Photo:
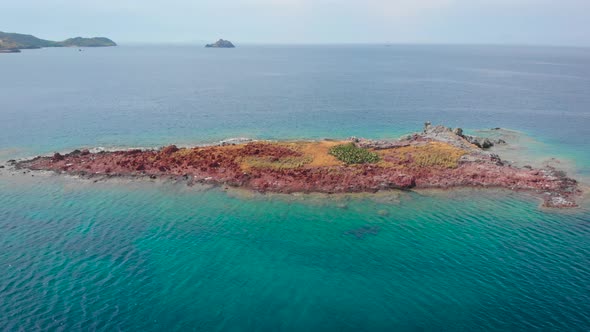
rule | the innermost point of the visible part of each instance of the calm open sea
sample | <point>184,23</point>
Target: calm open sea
<point>128,255</point>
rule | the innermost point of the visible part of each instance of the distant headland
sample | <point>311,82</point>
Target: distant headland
<point>221,44</point>
<point>14,42</point>
<point>437,157</point>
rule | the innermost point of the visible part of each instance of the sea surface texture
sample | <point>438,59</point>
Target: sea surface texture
<point>162,256</point>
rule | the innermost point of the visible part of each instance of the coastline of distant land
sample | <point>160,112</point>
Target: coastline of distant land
<point>14,42</point>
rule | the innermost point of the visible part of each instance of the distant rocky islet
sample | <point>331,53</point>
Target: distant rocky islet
<point>221,43</point>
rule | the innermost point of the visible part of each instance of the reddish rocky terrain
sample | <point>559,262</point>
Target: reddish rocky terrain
<point>438,157</point>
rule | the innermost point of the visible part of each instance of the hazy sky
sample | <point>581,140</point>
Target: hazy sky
<point>551,22</point>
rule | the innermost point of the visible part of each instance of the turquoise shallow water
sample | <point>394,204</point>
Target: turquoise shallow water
<point>147,256</point>
<point>118,255</point>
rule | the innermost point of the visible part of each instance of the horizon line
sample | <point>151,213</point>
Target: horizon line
<point>251,43</point>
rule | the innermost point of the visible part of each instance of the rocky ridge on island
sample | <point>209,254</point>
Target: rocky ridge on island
<point>221,43</point>
<point>437,157</point>
<point>14,42</point>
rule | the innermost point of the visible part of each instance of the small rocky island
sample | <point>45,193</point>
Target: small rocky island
<point>221,44</point>
<point>14,42</point>
<point>437,157</point>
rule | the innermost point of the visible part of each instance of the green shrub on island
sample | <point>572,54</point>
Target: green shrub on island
<point>352,154</point>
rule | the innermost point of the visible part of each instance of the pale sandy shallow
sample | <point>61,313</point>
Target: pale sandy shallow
<point>524,150</point>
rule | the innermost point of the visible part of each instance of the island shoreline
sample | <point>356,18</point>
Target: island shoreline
<point>422,161</point>
<point>583,201</point>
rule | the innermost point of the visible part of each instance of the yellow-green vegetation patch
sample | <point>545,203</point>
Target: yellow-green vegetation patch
<point>276,163</point>
<point>351,154</point>
<point>184,152</point>
<point>434,154</point>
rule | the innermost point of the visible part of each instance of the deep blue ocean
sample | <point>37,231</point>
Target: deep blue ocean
<point>151,256</point>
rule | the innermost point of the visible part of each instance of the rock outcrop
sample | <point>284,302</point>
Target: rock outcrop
<point>221,43</point>
<point>445,133</point>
